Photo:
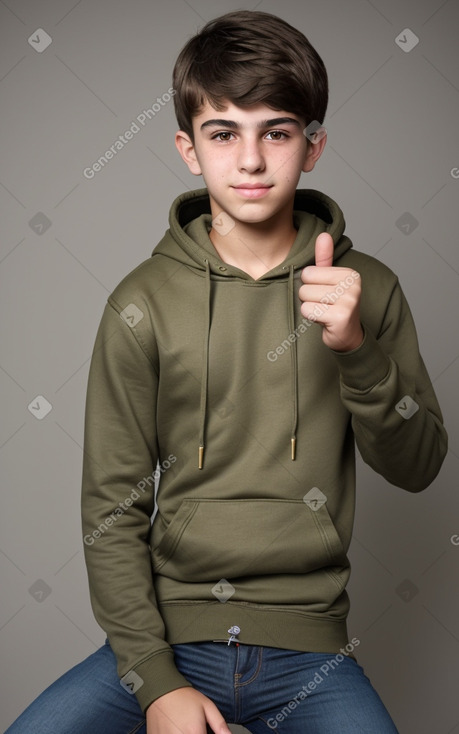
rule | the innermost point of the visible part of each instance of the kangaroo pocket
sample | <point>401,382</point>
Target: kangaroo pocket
<point>212,539</point>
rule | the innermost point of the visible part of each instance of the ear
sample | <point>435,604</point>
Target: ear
<point>314,151</point>
<point>186,149</point>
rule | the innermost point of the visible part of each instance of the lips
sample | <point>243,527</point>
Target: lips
<point>252,190</point>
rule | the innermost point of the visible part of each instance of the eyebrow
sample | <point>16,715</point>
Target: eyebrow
<point>262,124</point>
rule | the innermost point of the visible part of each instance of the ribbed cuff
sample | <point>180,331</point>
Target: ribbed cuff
<point>364,367</point>
<point>158,675</point>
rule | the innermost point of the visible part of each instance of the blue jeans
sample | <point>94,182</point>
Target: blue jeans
<point>263,688</point>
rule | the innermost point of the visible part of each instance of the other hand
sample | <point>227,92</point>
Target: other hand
<point>184,711</point>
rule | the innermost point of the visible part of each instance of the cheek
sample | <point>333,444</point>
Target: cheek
<point>289,166</point>
<point>216,164</point>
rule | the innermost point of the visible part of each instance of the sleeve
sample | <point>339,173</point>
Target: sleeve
<point>120,452</point>
<point>396,418</point>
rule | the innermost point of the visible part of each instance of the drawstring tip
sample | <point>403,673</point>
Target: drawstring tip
<point>293,445</point>
<point>201,457</point>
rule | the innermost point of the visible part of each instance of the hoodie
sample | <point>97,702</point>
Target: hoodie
<point>214,384</point>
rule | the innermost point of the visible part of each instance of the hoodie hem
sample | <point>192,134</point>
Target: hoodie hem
<point>285,629</point>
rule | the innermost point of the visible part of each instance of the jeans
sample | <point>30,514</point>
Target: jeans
<point>263,688</point>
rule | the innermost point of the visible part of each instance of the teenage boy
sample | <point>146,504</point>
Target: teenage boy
<point>245,357</point>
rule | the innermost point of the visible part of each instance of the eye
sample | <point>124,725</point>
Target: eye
<point>277,135</point>
<point>223,136</point>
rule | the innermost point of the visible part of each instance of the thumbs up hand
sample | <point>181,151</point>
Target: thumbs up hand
<point>331,296</point>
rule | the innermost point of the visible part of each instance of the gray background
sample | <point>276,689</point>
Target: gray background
<point>392,150</point>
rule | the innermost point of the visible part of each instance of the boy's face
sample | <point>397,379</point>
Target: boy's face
<point>251,159</point>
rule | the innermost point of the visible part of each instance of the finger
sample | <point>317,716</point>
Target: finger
<point>317,293</point>
<point>316,312</point>
<point>324,250</point>
<point>215,721</point>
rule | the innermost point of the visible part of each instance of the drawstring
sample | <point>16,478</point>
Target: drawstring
<point>205,368</point>
<point>294,361</point>
<point>205,365</point>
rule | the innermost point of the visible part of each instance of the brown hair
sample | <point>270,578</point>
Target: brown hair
<point>248,57</point>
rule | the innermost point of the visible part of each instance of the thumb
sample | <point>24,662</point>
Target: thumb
<point>324,250</point>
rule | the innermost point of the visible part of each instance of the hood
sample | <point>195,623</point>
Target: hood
<point>187,241</point>
<point>190,220</point>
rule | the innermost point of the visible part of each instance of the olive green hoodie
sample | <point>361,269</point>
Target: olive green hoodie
<point>214,382</point>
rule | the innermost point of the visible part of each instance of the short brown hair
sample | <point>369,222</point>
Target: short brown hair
<point>248,57</point>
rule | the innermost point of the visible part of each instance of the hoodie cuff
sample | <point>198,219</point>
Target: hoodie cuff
<point>159,675</point>
<point>364,367</point>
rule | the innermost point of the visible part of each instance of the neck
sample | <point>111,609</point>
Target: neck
<point>256,248</point>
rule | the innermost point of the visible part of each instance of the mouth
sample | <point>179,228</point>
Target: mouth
<point>252,190</point>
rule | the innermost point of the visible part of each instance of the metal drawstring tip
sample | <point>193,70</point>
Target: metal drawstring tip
<point>201,457</point>
<point>293,445</point>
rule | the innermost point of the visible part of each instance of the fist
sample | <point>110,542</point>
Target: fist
<point>331,296</point>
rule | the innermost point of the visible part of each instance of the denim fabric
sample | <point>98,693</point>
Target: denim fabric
<point>263,688</point>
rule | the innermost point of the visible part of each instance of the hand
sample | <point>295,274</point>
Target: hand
<point>331,296</point>
<point>184,710</point>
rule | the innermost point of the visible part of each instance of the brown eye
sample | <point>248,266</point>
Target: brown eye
<point>224,136</point>
<point>276,135</point>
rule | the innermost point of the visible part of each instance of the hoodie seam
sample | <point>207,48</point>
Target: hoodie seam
<point>381,330</point>
<point>117,308</point>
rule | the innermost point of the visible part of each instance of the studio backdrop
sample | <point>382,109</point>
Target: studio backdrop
<point>88,172</point>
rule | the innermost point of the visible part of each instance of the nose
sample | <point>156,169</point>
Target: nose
<point>250,157</point>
